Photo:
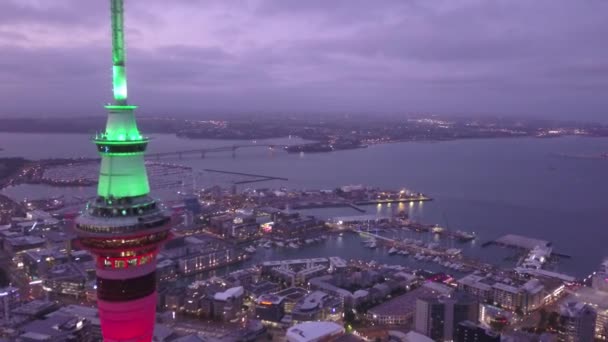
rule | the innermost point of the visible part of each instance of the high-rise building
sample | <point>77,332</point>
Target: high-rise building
<point>9,299</point>
<point>577,322</point>
<point>468,331</point>
<point>600,277</point>
<point>461,307</point>
<point>123,226</point>
<point>438,317</point>
<point>430,317</point>
<point>270,308</point>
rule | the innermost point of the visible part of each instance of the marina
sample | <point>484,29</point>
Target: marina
<point>450,258</point>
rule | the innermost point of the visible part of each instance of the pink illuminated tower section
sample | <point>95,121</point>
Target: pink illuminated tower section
<point>123,226</point>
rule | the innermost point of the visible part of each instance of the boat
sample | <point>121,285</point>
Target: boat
<point>464,236</point>
<point>437,229</point>
<point>453,252</point>
<point>372,245</point>
<point>250,249</point>
<point>404,253</point>
<point>280,244</point>
<point>267,244</point>
<point>309,241</point>
<point>392,251</point>
<point>293,245</point>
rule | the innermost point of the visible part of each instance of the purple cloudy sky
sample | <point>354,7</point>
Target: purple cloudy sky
<point>541,57</point>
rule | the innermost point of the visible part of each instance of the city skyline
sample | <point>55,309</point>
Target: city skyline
<point>383,223</point>
<point>521,58</point>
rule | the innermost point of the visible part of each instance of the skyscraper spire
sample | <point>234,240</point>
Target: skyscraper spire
<point>123,226</point>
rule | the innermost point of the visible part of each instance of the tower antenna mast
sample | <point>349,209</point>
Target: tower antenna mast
<point>119,74</point>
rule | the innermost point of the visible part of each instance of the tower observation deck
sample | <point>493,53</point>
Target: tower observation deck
<point>123,226</point>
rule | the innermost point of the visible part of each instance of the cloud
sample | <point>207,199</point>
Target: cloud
<point>400,56</point>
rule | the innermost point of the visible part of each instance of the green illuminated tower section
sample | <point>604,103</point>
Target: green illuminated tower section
<point>123,226</point>
<point>123,173</point>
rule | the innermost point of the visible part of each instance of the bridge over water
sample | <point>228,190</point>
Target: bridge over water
<point>203,151</point>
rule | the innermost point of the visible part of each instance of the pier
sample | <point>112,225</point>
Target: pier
<point>259,178</point>
<point>523,243</point>
<point>396,200</point>
<point>327,204</point>
<point>517,241</point>
<point>244,174</point>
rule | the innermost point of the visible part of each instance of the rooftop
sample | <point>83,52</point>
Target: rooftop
<point>413,336</point>
<point>295,262</point>
<point>406,303</point>
<point>533,286</point>
<point>506,288</point>
<point>313,331</point>
<point>313,300</point>
<point>25,240</point>
<point>476,281</point>
<point>323,283</point>
<point>34,308</point>
<point>546,273</point>
<point>230,293</point>
<point>598,299</point>
<point>54,326</point>
<point>575,309</point>
<point>269,299</point>
<point>292,293</point>
<point>337,262</point>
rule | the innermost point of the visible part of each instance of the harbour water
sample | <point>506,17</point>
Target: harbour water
<point>492,187</point>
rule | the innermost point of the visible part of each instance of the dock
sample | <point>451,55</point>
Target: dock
<point>357,205</point>
<point>517,241</point>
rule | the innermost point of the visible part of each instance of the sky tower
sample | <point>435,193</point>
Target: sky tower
<point>123,226</point>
